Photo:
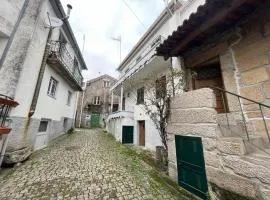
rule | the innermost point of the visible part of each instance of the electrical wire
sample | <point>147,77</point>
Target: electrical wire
<point>131,10</point>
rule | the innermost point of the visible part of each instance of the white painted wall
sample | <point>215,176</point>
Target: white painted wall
<point>29,75</point>
<point>55,108</point>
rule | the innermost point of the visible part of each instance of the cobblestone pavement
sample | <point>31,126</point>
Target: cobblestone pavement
<point>87,164</point>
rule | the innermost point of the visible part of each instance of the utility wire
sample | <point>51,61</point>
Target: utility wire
<point>134,14</point>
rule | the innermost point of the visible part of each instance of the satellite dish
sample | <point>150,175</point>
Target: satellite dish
<point>53,22</point>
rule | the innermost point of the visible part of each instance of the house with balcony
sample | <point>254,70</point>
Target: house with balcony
<point>218,132</point>
<point>40,67</point>
<point>94,103</point>
<point>142,66</point>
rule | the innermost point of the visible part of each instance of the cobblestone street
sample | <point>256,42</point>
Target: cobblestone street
<point>87,164</point>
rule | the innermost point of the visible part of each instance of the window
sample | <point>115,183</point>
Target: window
<point>138,59</point>
<point>106,84</point>
<point>43,126</point>
<point>52,87</point>
<point>65,124</point>
<point>140,96</point>
<point>96,101</point>
<point>156,41</point>
<point>161,87</point>
<point>69,98</point>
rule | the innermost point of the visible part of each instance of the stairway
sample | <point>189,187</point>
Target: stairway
<point>234,139</point>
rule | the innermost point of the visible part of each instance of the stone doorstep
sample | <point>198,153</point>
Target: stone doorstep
<point>17,156</point>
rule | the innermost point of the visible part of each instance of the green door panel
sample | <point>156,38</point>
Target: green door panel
<point>95,120</point>
<point>190,165</point>
<point>127,134</point>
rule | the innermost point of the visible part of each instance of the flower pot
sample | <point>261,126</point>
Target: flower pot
<point>4,130</point>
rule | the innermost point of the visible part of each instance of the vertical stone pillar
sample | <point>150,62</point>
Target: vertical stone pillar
<point>121,98</point>
<point>112,102</point>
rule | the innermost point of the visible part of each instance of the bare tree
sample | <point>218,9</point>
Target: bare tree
<point>158,97</point>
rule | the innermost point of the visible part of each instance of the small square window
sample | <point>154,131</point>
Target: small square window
<point>43,126</point>
<point>52,87</point>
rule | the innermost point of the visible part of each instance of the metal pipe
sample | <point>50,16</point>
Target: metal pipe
<point>265,125</point>
<point>244,120</point>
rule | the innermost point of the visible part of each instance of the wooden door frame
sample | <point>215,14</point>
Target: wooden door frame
<point>139,132</point>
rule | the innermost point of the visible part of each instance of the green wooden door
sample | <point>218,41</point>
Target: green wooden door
<point>127,135</point>
<point>191,166</point>
<point>95,120</point>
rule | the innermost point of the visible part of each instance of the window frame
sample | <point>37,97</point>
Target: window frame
<point>96,100</point>
<point>52,82</point>
<point>140,96</point>
<point>40,130</point>
<point>69,97</point>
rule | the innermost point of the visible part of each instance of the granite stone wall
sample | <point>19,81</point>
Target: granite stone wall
<point>228,166</point>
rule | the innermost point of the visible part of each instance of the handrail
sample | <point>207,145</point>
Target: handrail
<point>242,112</point>
<point>240,96</point>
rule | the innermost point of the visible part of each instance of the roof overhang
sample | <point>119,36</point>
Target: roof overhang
<point>215,16</point>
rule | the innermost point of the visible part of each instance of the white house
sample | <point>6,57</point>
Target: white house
<point>40,68</point>
<point>131,124</point>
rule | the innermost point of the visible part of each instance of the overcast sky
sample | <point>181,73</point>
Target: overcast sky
<point>100,20</point>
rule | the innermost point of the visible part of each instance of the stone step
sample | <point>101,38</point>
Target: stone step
<point>231,118</point>
<point>241,145</point>
<point>232,130</point>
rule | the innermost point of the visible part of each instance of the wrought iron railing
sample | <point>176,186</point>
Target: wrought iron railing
<point>59,50</point>
<point>242,111</point>
<point>138,63</point>
<point>6,103</point>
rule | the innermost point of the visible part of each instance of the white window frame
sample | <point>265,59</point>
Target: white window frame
<point>96,100</point>
<point>69,97</point>
<point>106,84</point>
<point>52,89</point>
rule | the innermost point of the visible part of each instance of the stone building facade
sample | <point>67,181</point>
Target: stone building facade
<point>40,67</point>
<point>226,49</point>
<point>96,99</point>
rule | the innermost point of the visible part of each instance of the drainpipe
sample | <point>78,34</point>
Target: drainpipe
<point>43,65</point>
<point>40,75</point>
<point>240,37</point>
<point>12,35</point>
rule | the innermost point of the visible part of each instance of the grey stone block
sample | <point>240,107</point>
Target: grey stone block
<point>232,182</point>
<point>17,156</point>
<point>247,169</point>
<point>203,130</point>
<point>233,146</point>
<point>195,99</point>
<point>193,116</point>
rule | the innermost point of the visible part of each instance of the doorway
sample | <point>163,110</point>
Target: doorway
<point>142,133</point>
<point>191,165</point>
<point>210,76</point>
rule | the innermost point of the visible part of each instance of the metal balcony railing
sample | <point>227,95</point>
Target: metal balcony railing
<point>6,103</point>
<point>139,62</point>
<point>58,50</point>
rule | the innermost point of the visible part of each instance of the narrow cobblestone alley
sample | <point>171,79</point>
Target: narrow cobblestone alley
<point>87,164</point>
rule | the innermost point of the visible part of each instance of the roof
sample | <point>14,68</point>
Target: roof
<point>60,13</point>
<point>157,23</point>
<point>215,16</point>
<point>102,77</point>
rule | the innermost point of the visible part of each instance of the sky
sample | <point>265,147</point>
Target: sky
<point>100,20</point>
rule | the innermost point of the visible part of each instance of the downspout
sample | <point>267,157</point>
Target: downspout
<point>12,35</point>
<point>40,75</point>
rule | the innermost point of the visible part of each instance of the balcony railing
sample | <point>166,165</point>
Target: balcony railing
<point>139,62</point>
<point>6,103</point>
<point>59,52</point>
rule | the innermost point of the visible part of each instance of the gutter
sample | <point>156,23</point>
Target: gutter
<point>10,40</point>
